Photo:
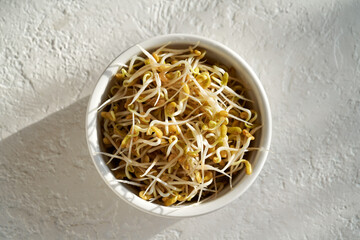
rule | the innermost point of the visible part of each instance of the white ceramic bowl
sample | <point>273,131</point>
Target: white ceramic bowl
<point>241,183</point>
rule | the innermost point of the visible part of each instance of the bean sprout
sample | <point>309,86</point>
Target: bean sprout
<point>177,127</point>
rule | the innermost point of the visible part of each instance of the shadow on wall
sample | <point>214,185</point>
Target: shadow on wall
<point>50,187</point>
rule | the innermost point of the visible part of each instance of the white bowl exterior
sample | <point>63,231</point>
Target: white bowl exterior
<point>250,78</point>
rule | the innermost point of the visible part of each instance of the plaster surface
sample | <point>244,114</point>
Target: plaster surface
<point>306,53</point>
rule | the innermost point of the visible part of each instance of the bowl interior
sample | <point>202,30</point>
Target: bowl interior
<point>216,53</point>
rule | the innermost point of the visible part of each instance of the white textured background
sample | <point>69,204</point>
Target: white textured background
<point>306,53</point>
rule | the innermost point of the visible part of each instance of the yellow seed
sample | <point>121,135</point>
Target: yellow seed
<point>177,73</point>
<point>172,138</point>
<point>198,176</point>
<point>248,168</point>
<point>206,75</point>
<point>202,54</point>
<point>208,176</point>
<point>173,130</point>
<point>223,131</point>
<point>204,127</point>
<point>216,160</point>
<point>196,70</point>
<point>172,75</point>
<point>170,108</point>
<point>106,141</point>
<point>206,83</point>
<point>212,124</point>
<point>192,153</point>
<point>108,115</point>
<point>144,196</point>
<point>247,134</point>
<point>157,131</point>
<point>124,72</point>
<point>244,115</point>
<point>157,59</point>
<point>119,76</point>
<point>186,88</point>
<point>169,200</point>
<point>182,197</point>
<point>147,61</point>
<point>197,52</point>
<point>164,67</point>
<point>174,61</point>
<point>234,130</point>
<point>222,113</point>
<point>146,159</point>
<point>225,79</point>
<point>204,79</point>
<point>223,154</point>
<point>125,141</point>
<point>211,150</point>
<point>169,75</point>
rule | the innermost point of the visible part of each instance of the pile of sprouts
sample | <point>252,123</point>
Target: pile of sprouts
<point>177,127</point>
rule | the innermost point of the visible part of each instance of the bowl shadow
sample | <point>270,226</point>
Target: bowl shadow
<point>50,186</point>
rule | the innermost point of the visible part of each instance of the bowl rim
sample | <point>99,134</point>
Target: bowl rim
<point>193,209</point>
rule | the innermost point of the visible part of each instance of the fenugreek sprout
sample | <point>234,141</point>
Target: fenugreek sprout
<point>176,126</point>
